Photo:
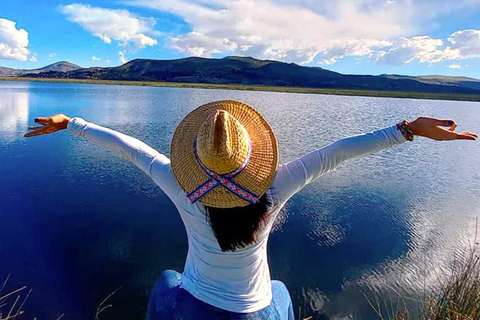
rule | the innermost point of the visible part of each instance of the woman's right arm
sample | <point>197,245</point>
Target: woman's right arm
<point>293,176</point>
<point>149,160</point>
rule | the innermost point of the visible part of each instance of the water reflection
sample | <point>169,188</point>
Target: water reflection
<point>13,114</point>
<point>392,220</point>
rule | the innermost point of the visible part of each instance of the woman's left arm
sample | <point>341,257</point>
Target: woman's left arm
<point>294,175</point>
<point>372,142</point>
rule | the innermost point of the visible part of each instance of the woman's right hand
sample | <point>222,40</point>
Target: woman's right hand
<point>48,125</point>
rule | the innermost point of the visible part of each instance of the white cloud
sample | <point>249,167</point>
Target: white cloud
<point>302,31</point>
<point>467,42</point>
<point>279,29</point>
<point>405,50</point>
<point>107,61</point>
<point>93,58</point>
<point>454,66</point>
<point>53,54</point>
<point>13,41</point>
<point>130,31</point>
<point>122,58</point>
<point>352,47</point>
<point>33,58</point>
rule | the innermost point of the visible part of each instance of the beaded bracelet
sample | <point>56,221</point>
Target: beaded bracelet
<point>405,130</point>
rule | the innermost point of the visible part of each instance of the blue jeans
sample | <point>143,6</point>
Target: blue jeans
<point>169,301</point>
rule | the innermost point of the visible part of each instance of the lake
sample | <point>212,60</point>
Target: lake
<point>77,221</point>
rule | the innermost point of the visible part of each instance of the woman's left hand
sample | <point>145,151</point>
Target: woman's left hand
<point>432,128</point>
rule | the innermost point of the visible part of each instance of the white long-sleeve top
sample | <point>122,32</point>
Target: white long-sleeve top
<point>236,281</point>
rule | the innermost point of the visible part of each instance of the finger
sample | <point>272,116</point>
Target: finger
<point>41,120</point>
<point>472,134</point>
<point>42,130</point>
<point>444,134</point>
<point>465,136</point>
<point>34,128</point>
<point>443,122</point>
<point>33,133</point>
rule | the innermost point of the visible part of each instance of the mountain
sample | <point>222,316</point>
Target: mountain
<point>230,70</point>
<point>61,66</point>
<point>463,82</point>
<point>8,72</point>
<point>250,71</point>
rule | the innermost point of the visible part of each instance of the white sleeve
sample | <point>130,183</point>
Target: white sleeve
<point>293,176</point>
<point>149,160</point>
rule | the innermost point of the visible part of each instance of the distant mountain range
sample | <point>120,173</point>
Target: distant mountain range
<point>61,66</point>
<point>250,71</point>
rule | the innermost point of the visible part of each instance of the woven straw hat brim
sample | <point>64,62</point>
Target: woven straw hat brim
<point>258,174</point>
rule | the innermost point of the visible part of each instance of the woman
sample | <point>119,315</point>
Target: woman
<point>226,183</point>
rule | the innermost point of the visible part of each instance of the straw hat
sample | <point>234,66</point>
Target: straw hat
<point>224,154</point>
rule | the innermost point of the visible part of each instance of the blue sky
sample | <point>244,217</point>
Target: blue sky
<point>413,37</point>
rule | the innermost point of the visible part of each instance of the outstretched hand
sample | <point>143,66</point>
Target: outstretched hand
<point>432,128</point>
<point>48,125</point>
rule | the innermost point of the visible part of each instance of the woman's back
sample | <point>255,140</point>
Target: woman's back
<point>237,281</point>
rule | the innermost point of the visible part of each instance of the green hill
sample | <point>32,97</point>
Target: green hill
<point>250,71</point>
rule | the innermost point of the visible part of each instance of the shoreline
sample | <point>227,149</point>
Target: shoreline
<point>340,92</point>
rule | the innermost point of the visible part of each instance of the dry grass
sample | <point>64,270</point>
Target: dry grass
<point>103,306</point>
<point>458,297</point>
<point>11,304</point>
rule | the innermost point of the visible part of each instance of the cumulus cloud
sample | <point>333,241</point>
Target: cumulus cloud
<point>13,41</point>
<point>405,50</point>
<point>95,58</point>
<point>279,29</point>
<point>454,66</point>
<point>326,31</point>
<point>466,42</point>
<point>352,47</point>
<point>130,31</point>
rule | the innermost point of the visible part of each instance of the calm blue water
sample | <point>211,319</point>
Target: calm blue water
<point>77,221</point>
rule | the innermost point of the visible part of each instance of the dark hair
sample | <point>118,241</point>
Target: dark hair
<point>237,227</point>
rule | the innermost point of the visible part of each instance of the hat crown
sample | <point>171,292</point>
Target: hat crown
<point>248,148</point>
<point>222,143</point>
